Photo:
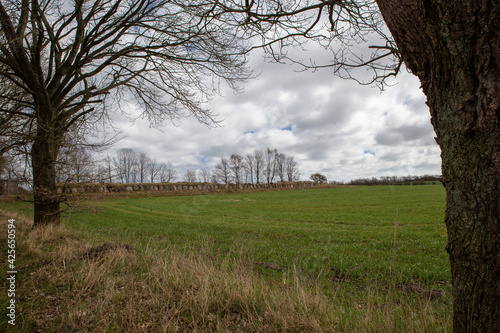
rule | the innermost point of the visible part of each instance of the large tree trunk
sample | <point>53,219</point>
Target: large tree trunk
<point>454,48</point>
<point>44,157</point>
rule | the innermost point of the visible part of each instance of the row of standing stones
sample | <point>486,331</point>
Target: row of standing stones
<point>107,188</point>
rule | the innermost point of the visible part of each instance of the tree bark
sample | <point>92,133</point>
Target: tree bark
<point>44,157</point>
<point>454,49</point>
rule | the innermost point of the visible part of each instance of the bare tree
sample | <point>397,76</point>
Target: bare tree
<point>214,178</point>
<point>270,168</point>
<point>167,172</point>
<point>190,176</point>
<point>154,170</point>
<point>291,169</point>
<point>236,165</point>
<point>259,160</point>
<point>280,166</point>
<point>16,132</point>
<point>108,167</point>
<point>126,162</point>
<point>143,162</point>
<point>17,167</point>
<point>223,171</point>
<point>205,176</point>
<point>100,173</point>
<point>250,166</point>
<point>3,164</point>
<point>75,163</point>
<point>74,61</point>
<point>8,165</point>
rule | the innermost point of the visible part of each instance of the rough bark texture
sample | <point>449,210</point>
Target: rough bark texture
<point>44,157</point>
<point>454,49</point>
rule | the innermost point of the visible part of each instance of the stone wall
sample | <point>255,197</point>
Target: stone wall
<point>103,188</point>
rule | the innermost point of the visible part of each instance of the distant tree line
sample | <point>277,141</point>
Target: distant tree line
<point>258,167</point>
<point>393,180</point>
<point>78,164</point>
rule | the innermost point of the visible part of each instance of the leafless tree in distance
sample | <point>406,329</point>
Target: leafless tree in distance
<point>250,167</point>
<point>236,165</point>
<point>143,162</point>
<point>126,163</point>
<point>259,165</point>
<point>167,172</point>
<point>223,171</point>
<point>205,175</point>
<point>153,168</point>
<point>291,169</point>
<point>270,166</point>
<point>190,176</point>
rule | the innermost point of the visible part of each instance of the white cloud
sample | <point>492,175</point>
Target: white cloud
<point>330,125</point>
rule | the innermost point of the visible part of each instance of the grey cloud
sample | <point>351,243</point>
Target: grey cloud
<point>407,133</point>
<point>391,157</point>
<point>389,138</point>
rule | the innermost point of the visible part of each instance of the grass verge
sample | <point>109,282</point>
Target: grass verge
<point>71,281</point>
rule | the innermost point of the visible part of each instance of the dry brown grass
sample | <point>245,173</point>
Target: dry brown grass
<point>68,283</point>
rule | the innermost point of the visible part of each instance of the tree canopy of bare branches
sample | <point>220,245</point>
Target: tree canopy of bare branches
<point>64,63</point>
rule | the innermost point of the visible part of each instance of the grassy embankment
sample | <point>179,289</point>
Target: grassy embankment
<point>363,259</point>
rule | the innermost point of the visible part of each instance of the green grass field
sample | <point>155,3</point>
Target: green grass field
<point>357,231</point>
<point>377,254</point>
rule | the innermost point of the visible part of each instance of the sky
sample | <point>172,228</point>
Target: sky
<point>330,125</point>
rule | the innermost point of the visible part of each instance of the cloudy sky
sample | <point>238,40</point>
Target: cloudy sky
<point>330,125</point>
